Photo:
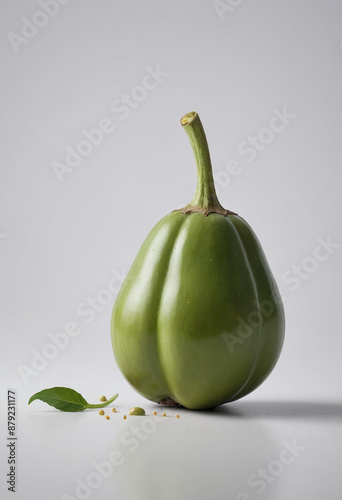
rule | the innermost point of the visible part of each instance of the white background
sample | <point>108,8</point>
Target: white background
<point>63,240</point>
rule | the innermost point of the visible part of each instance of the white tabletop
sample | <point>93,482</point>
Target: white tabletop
<point>245,450</point>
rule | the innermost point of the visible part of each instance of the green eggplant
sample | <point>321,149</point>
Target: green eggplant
<point>198,321</point>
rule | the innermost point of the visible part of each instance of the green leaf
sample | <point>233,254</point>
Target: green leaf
<point>66,399</point>
<point>62,398</point>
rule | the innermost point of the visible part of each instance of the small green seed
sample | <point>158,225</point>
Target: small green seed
<point>136,411</point>
<point>103,398</point>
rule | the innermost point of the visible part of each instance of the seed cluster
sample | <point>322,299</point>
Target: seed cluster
<point>131,412</point>
<point>135,410</point>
